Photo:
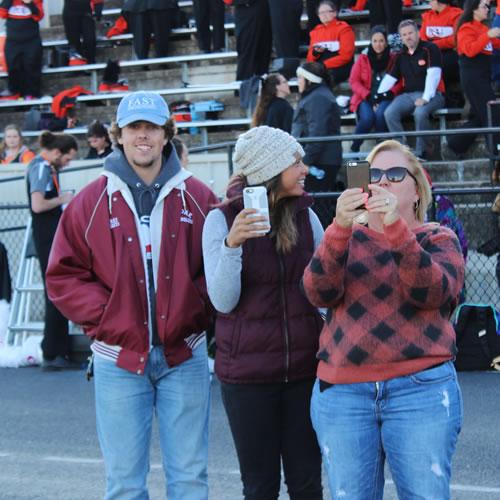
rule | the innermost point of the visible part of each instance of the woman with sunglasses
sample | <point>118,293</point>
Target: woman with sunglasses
<point>386,386</point>
<point>475,44</point>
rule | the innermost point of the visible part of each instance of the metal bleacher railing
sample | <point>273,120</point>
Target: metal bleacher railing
<point>472,206</point>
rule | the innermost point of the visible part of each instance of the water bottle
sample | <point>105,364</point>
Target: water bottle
<point>317,172</point>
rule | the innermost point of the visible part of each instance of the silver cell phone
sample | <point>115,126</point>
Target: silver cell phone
<point>358,174</point>
<point>256,197</point>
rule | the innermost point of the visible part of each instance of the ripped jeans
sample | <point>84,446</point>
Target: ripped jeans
<point>413,421</point>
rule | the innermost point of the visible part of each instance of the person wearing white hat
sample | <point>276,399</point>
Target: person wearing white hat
<point>317,115</point>
<point>266,331</point>
<point>126,264</point>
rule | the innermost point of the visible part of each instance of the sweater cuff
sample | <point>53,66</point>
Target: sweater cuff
<point>337,236</point>
<point>397,233</point>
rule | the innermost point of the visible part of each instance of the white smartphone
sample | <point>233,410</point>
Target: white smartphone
<point>256,197</point>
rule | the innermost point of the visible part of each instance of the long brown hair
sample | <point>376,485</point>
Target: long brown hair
<point>281,211</point>
<point>267,93</point>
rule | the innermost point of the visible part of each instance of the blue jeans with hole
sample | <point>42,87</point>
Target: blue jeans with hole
<point>125,404</point>
<point>368,117</point>
<point>412,421</point>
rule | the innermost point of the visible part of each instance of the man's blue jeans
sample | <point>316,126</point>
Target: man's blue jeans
<point>124,408</point>
<point>414,421</point>
<point>403,105</point>
<point>368,117</point>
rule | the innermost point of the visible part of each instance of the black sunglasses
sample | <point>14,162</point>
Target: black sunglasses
<point>393,174</point>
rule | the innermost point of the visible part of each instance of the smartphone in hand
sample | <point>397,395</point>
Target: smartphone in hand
<point>256,197</point>
<point>358,174</point>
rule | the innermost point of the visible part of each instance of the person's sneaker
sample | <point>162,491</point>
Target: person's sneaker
<point>59,363</point>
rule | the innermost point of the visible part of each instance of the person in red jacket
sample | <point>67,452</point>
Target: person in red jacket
<point>475,44</point>
<point>127,265</point>
<point>438,27</point>
<point>23,47</point>
<point>332,43</point>
<point>366,75</point>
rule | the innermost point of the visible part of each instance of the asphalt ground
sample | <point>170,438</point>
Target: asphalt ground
<point>49,448</point>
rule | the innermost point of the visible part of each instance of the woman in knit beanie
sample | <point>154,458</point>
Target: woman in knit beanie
<point>317,115</point>
<point>266,331</point>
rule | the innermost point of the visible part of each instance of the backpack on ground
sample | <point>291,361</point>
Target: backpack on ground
<point>478,342</point>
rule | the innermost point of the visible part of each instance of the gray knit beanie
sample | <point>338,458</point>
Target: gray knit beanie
<point>264,152</point>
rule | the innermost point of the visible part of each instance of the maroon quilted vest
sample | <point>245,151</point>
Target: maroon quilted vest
<point>272,334</point>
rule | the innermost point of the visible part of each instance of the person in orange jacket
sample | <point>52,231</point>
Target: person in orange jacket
<point>332,43</point>
<point>23,47</point>
<point>438,27</point>
<point>475,44</point>
<point>12,149</point>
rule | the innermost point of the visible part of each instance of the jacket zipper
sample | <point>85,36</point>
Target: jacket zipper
<point>285,321</point>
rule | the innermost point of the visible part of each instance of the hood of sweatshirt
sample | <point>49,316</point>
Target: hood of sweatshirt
<point>145,195</point>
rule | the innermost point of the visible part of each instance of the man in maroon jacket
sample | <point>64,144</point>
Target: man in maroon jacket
<point>126,264</point>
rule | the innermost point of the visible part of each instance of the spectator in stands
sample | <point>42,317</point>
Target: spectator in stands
<point>388,13</point>
<point>366,75</point>
<point>253,37</point>
<point>317,114</point>
<point>438,27</point>
<point>332,43</point>
<point>23,47</point>
<point>150,17</point>
<point>181,150</point>
<point>475,44</point>
<point>285,21</point>
<point>312,14</point>
<point>12,149</point>
<point>272,107</point>
<point>79,26</point>
<point>46,202</point>
<point>386,385</point>
<point>99,141</point>
<point>206,13</point>
<point>418,65</point>
<point>266,331</point>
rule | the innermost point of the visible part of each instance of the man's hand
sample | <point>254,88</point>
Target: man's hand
<point>421,102</point>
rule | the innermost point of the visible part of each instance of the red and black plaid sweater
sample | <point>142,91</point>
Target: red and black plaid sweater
<point>389,297</point>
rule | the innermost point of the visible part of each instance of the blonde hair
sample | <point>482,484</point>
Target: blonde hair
<point>414,166</point>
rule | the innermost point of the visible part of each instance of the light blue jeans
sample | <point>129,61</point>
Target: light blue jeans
<point>414,421</point>
<point>124,408</point>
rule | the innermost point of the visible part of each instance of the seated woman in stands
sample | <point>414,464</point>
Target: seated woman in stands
<point>12,149</point>
<point>475,44</point>
<point>332,43</point>
<point>366,75</point>
<point>99,141</point>
<point>318,115</point>
<point>272,108</point>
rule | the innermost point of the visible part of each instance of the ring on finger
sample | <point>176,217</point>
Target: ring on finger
<point>387,201</point>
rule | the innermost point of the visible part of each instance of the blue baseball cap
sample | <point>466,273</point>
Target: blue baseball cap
<point>142,106</point>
